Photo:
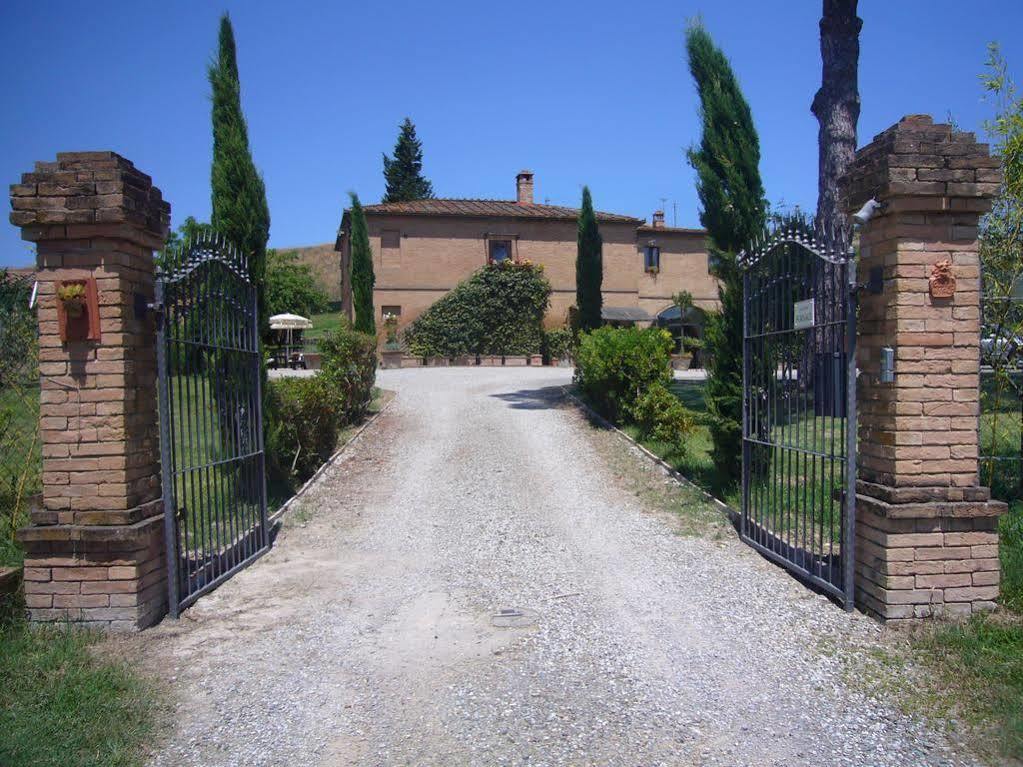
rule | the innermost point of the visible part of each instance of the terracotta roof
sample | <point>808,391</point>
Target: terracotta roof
<point>648,229</point>
<point>484,208</point>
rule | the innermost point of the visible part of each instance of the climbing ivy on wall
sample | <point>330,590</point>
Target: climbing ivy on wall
<point>498,310</point>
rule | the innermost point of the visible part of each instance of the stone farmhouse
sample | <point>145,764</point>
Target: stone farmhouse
<point>422,249</point>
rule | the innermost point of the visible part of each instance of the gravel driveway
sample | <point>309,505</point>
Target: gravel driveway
<point>481,581</point>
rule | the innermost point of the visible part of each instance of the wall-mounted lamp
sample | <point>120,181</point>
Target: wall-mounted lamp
<point>870,209</point>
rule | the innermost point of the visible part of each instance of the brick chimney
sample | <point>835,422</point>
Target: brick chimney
<point>524,187</point>
<point>658,219</point>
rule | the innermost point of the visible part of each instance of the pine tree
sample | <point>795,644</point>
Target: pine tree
<point>589,267</point>
<point>733,211</point>
<point>404,172</point>
<point>837,104</point>
<point>362,271</point>
<point>240,210</point>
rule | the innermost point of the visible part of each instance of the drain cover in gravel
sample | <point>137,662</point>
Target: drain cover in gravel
<point>513,617</point>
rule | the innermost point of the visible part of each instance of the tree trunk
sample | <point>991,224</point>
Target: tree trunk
<point>837,104</point>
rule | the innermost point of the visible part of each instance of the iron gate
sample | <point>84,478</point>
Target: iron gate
<point>211,433</point>
<point>799,406</point>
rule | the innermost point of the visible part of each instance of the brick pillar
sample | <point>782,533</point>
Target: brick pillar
<point>94,552</point>
<point>926,532</point>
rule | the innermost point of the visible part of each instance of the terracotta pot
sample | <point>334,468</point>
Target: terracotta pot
<point>391,359</point>
<point>74,307</point>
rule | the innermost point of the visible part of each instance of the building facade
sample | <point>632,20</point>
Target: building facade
<point>422,249</point>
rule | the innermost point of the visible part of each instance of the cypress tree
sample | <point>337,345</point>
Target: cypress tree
<point>240,210</point>
<point>362,271</point>
<point>404,172</point>
<point>589,266</point>
<point>733,211</point>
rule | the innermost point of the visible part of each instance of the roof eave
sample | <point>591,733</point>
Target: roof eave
<point>528,217</point>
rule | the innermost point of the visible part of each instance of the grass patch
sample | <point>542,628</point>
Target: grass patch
<point>322,323</point>
<point>978,679</point>
<point>1010,551</point>
<point>63,704</point>
<point>695,515</point>
<point>21,465</point>
<point>694,463</point>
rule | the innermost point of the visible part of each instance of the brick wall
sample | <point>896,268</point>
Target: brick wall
<point>434,253</point>
<point>927,536</point>
<point>94,552</point>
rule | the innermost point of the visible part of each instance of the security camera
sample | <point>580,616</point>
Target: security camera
<point>870,209</point>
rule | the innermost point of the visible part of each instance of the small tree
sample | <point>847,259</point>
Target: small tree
<point>404,172</point>
<point>589,267</point>
<point>240,209</point>
<point>291,286</point>
<point>733,211</point>
<point>362,271</point>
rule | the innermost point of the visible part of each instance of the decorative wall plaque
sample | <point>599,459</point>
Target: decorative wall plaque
<point>942,281</point>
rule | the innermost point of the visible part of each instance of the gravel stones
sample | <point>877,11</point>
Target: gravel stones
<point>368,637</point>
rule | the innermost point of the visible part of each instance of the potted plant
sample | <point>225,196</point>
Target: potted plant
<point>391,332</point>
<point>557,346</point>
<point>392,352</point>
<point>72,296</point>
<point>691,348</point>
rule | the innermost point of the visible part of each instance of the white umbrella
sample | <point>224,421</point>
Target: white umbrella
<point>289,322</point>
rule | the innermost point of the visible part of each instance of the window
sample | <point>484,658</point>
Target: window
<point>652,258</point>
<point>500,250</point>
<point>390,246</point>
<point>385,310</point>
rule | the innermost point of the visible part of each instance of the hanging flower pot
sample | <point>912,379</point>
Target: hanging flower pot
<point>78,310</point>
<point>72,295</point>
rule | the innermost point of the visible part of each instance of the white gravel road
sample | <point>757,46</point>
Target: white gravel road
<point>373,633</point>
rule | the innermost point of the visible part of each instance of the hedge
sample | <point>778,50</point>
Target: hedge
<point>498,310</point>
<point>305,415</point>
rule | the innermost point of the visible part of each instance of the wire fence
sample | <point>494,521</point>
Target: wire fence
<point>1001,392</point>
<point>20,451</point>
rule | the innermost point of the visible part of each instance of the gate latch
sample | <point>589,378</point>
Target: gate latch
<point>875,282</point>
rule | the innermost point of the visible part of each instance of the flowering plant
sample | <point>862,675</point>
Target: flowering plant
<point>72,295</point>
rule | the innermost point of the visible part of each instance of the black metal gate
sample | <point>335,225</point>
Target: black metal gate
<point>799,406</point>
<point>211,433</point>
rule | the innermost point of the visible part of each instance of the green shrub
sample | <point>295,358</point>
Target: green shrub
<point>304,415</point>
<point>614,366</point>
<point>303,429</point>
<point>662,417</point>
<point>557,343</point>
<point>291,286</point>
<point>498,310</point>
<point>348,364</point>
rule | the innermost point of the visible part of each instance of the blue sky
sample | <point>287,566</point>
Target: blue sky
<point>579,92</point>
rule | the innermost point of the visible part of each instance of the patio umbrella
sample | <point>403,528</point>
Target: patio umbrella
<point>290,323</point>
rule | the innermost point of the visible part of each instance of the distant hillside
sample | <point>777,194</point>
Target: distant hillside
<point>325,263</point>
